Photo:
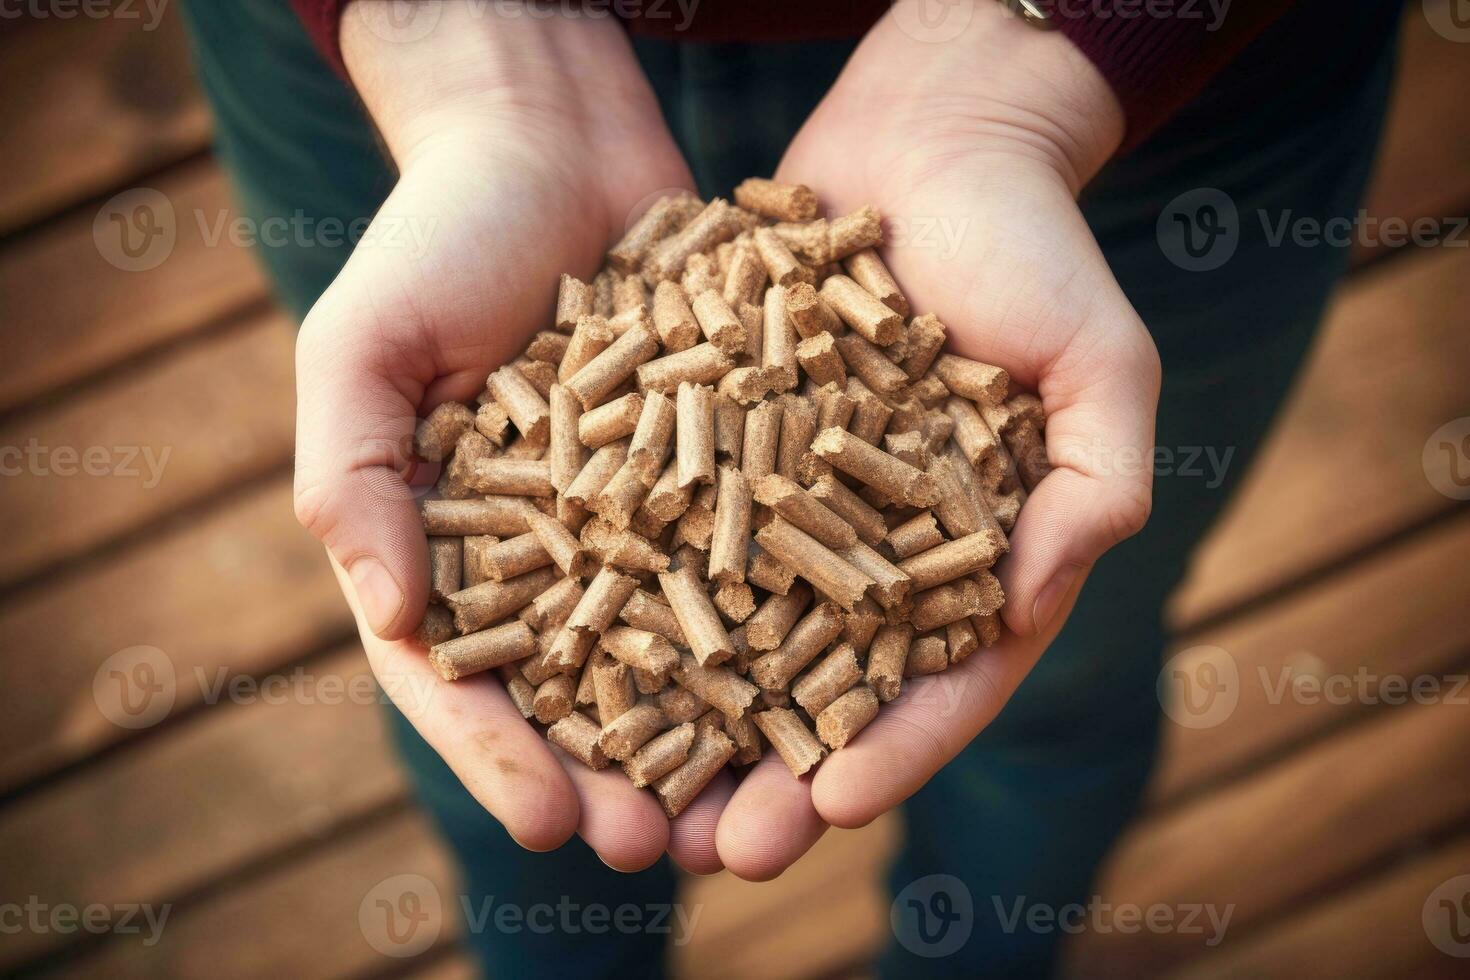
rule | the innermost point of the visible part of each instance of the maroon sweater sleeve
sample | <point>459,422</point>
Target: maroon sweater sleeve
<point>1156,56</point>
<point>1156,64</point>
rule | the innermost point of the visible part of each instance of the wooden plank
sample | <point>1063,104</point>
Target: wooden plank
<point>315,916</point>
<point>213,795</point>
<point>1328,655</point>
<point>1375,930</point>
<point>116,98</point>
<point>827,911</point>
<point>1423,168</point>
<point>70,312</point>
<point>198,593</point>
<point>306,916</point>
<point>1343,466</point>
<point>193,424</point>
<point>1290,831</point>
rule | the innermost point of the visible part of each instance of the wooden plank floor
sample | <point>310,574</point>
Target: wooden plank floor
<point>1325,823</point>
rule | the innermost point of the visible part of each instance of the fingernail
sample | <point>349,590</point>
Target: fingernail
<point>377,593</point>
<point>1049,600</point>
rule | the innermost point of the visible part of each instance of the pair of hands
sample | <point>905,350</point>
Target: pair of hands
<point>525,146</point>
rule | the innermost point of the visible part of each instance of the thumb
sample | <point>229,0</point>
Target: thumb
<point>1099,442</point>
<point>354,431</point>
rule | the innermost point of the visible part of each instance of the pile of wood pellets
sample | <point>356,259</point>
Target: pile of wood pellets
<point>732,500</point>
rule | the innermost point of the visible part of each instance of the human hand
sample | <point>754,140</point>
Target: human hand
<point>974,150</point>
<point>524,145</point>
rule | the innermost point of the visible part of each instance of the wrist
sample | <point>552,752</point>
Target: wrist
<point>463,69</point>
<point>998,86</point>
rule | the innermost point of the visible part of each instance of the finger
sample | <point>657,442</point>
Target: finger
<point>393,336</point>
<point>622,823</point>
<point>354,430</point>
<point>914,736</point>
<point>503,762</point>
<point>692,833</point>
<point>769,823</point>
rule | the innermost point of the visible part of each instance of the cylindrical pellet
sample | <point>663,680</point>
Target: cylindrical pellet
<point>861,310</point>
<point>560,545</point>
<point>701,364</point>
<point>792,740</point>
<point>434,437</point>
<point>661,755</point>
<point>609,422</point>
<point>731,538</point>
<point>720,687</point>
<point>578,735</point>
<point>466,655</point>
<point>643,649</point>
<point>836,497</point>
<point>489,602</point>
<point>950,560</point>
<point>631,730</point>
<point>697,617</point>
<point>828,680</point>
<point>869,272</point>
<point>888,659</point>
<point>768,626</point>
<point>596,379</point>
<point>784,202</point>
<point>446,566</point>
<point>695,440</point>
<point>798,506</point>
<point>707,756</point>
<point>512,477</point>
<point>775,670</point>
<point>832,574</point>
<point>845,717</point>
<point>500,516</point>
<point>573,301</point>
<point>556,698</point>
<point>874,468</point>
<point>515,556</point>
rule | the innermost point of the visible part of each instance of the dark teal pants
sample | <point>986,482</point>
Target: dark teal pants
<point>1027,811</point>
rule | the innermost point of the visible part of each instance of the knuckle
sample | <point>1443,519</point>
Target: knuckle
<point>1130,510</point>
<point>310,502</point>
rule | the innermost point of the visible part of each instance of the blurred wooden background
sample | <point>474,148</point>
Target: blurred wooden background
<point>265,823</point>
